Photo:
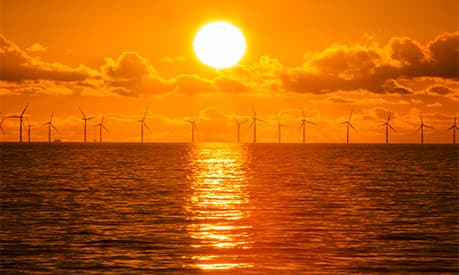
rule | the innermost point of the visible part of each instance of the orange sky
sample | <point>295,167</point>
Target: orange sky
<point>327,57</point>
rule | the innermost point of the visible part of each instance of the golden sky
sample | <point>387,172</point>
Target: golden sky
<point>328,57</point>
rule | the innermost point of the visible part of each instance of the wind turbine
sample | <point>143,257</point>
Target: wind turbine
<point>348,124</point>
<point>303,126</point>
<point>1,127</point>
<point>238,125</point>
<point>85,119</point>
<point>20,116</point>
<point>101,125</point>
<point>142,123</point>
<point>193,127</point>
<point>421,127</point>
<point>454,127</point>
<point>28,130</point>
<point>254,124</point>
<point>279,127</point>
<point>387,128</point>
<point>50,125</point>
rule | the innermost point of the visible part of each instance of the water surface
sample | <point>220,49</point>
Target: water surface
<point>224,208</point>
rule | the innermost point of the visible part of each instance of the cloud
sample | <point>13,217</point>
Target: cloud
<point>193,84</point>
<point>17,66</point>
<point>132,75</point>
<point>372,68</point>
<point>36,47</point>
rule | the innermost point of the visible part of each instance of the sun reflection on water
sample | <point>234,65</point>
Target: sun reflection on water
<point>219,207</point>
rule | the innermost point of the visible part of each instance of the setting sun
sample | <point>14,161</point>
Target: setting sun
<point>219,44</point>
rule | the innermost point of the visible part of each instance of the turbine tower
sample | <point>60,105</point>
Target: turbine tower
<point>303,126</point>
<point>21,117</point>
<point>85,119</point>
<point>254,124</point>
<point>193,127</point>
<point>142,124</point>
<point>50,125</point>
<point>101,125</point>
<point>348,124</point>
<point>421,127</point>
<point>454,127</point>
<point>387,128</point>
<point>238,126</point>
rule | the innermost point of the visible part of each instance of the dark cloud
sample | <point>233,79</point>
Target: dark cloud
<point>132,75</point>
<point>349,68</point>
<point>16,66</point>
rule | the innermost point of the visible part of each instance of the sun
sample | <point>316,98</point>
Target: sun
<point>219,44</point>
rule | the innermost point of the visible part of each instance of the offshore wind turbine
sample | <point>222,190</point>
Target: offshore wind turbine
<point>421,127</point>
<point>142,124</point>
<point>50,125</point>
<point>21,117</point>
<point>28,130</point>
<point>1,127</point>
<point>387,128</point>
<point>101,125</point>
<point>303,126</point>
<point>254,124</point>
<point>454,128</point>
<point>348,124</point>
<point>279,127</point>
<point>85,119</point>
<point>193,127</point>
<point>238,126</point>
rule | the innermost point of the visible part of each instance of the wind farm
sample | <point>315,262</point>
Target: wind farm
<point>238,122</point>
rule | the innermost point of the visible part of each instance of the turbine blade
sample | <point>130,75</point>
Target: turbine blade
<point>244,121</point>
<point>89,118</point>
<point>53,127</point>
<point>146,126</point>
<point>393,129</point>
<point>352,126</point>
<point>253,110</point>
<point>51,118</point>
<point>344,122</point>
<point>452,127</point>
<point>419,128</point>
<point>25,108</point>
<point>301,125</point>
<point>428,126</point>
<point>420,117</point>
<point>82,113</point>
<point>310,122</point>
<point>189,121</point>
<point>382,124</point>
<point>350,116</point>
<point>304,115</point>
<point>388,117</point>
<point>105,128</point>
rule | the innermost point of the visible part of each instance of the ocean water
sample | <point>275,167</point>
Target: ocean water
<point>220,208</point>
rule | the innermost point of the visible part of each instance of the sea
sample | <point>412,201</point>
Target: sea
<point>221,208</point>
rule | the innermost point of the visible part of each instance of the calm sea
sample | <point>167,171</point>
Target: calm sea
<point>224,208</point>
